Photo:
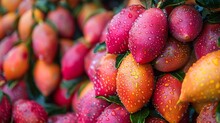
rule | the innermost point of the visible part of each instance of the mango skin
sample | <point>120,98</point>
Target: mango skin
<point>148,35</point>
<point>45,42</point>
<point>207,41</point>
<point>185,23</point>
<point>202,81</point>
<point>134,84</point>
<point>174,56</point>
<point>118,29</point>
<point>72,64</point>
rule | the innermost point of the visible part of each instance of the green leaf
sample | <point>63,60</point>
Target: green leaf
<point>77,10</point>
<point>111,99</point>
<point>2,80</point>
<point>192,113</point>
<point>50,108</point>
<point>148,3</point>
<point>119,8</point>
<point>33,91</point>
<point>18,42</point>
<point>15,25</point>
<point>52,25</point>
<point>205,12</point>
<point>2,10</point>
<point>155,113</point>
<point>45,5</point>
<point>199,8</point>
<point>209,3</point>
<point>156,1</point>
<point>98,3</point>
<point>179,75</point>
<point>140,116</point>
<point>167,3</point>
<point>120,58</point>
<point>12,84</point>
<point>53,109</point>
<point>1,95</point>
<point>214,18</point>
<point>71,85</point>
<point>218,44</point>
<point>42,5</point>
<point>218,113</point>
<point>82,86</point>
<point>65,5</point>
<point>100,47</point>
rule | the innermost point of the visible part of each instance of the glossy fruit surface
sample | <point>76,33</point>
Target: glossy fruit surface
<point>118,29</point>
<point>208,114</point>
<point>174,56</point>
<point>114,114</point>
<point>165,98</point>
<point>105,81</point>
<point>148,35</point>
<point>25,111</point>
<point>207,41</point>
<point>134,83</point>
<point>200,84</point>
<point>89,107</point>
<point>185,23</point>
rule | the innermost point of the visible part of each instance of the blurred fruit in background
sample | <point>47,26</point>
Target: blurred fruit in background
<point>122,61</point>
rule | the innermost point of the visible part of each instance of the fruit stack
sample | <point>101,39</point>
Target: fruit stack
<point>88,61</point>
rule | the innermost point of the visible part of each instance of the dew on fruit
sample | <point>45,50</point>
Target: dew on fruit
<point>170,109</point>
<point>215,61</point>
<point>169,101</point>
<point>113,113</point>
<point>166,84</point>
<point>130,15</point>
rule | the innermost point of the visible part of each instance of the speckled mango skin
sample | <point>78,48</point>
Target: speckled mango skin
<point>206,42</point>
<point>208,113</point>
<point>202,81</point>
<point>105,80</point>
<point>134,83</point>
<point>165,98</point>
<point>185,23</point>
<point>148,35</point>
<point>118,28</point>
